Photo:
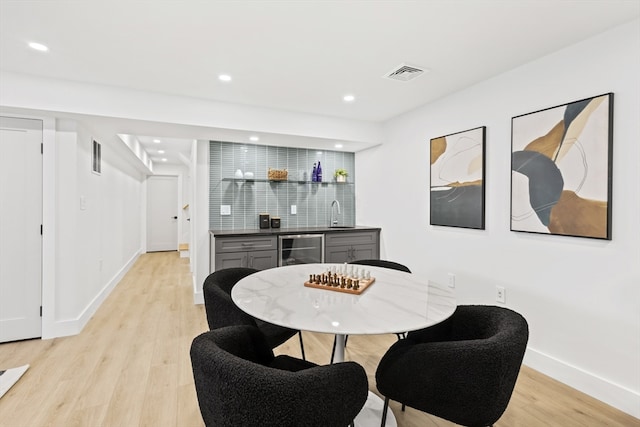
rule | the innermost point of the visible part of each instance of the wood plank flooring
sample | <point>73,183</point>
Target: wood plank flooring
<point>130,366</point>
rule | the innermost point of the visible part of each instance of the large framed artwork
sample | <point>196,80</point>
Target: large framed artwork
<point>561,166</point>
<point>457,179</point>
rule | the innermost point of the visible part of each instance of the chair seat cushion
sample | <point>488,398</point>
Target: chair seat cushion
<point>291,364</point>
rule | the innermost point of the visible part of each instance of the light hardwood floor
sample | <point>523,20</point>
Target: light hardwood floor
<point>130,366</point>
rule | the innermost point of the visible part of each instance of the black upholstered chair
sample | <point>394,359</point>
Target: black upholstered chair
<point>463,369</point>
<point>375,263</point>
<point>239,383</point>
<point>382,263</point>
<point>222,311</point>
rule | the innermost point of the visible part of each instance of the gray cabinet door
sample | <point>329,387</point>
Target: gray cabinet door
<point>259,252</point>
<point>364,252</point>
<point>231,260</point>
<point>343,247</point>
<point>262,260</point>
<point>337,254</point>
<point>341,254</point>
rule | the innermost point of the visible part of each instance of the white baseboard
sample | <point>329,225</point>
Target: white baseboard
<point>599,388</point>
<point>67,327</point>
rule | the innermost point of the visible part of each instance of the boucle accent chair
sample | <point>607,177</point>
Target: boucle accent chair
<point>239,383</point>
<point>463,369</point>
<point>382,263</point>
<point>222,311</point>
<point>375,263</point>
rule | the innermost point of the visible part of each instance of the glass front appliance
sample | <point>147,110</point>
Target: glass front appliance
<point>300,249</point>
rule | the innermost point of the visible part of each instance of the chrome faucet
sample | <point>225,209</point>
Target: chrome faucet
<point>334,220</point>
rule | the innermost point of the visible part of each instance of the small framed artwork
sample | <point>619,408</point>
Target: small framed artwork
<point>96,157</point>
<point>561,166</point>
<point>457,179</point>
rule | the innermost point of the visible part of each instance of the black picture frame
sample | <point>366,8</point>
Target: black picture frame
<point>561,169</point>
<point>457,179</point>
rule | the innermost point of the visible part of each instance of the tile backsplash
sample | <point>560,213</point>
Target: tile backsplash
<point>248,198</point>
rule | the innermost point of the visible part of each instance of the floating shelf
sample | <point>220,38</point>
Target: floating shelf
<point>276,181</point>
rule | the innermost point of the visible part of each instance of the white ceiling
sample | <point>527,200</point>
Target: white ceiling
<point>298,56</point>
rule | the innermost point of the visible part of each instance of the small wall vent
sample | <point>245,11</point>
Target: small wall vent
<point>405,72</point>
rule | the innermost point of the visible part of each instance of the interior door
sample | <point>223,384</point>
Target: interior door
<point>20,228</point>
<point>162,213</point>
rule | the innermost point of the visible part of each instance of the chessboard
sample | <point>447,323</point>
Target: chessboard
<point>339,283</point>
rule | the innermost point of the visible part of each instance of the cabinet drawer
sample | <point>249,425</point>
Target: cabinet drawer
<point>236,244</point>
<point>357,238</point>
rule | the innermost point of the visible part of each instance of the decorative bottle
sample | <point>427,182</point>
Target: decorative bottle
<point>319,172</point>
<point>314,173</point>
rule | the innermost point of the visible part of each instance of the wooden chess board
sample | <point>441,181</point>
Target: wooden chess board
<point>363,284</point>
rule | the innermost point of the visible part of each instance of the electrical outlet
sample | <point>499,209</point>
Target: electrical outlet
<point>294,209</point>
<point>452,280</point>
<point>225,209</point>
<point>500,294</point>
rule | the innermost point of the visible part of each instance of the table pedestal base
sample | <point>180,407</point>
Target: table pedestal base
<point>371,413</point>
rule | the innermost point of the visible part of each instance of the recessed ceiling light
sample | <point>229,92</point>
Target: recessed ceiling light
<point>164,160</point>
<point>224,77</point>
<point>254,138</point>
<point>338,145</point>
<point>349,98</point>
<point>160,151</point>
<point>157,141</point>
<point>38,46</point>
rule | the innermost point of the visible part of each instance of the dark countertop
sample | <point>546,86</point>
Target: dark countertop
<point>279,231</point>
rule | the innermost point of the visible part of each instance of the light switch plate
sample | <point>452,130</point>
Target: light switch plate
<point>294,209</point>
<point>225,209</point>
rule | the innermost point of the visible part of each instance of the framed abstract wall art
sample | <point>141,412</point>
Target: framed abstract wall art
<point>457,179</point>
<point>561,166</point>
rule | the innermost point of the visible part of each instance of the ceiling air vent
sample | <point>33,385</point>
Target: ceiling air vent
<point>405,72</point>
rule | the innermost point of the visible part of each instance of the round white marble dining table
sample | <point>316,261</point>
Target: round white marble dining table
<point>395,302</point>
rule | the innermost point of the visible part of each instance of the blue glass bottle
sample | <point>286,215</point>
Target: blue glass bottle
<point>319,172</point>
<point>314,174</point>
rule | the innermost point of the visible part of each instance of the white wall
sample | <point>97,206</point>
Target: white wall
<point>96,243</point>
<point>200,219</point>
<point>581,297</point>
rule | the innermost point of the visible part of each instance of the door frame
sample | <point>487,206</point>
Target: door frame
<point>49,239</point>
<point>48,267</point>
<point>34,306</point>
